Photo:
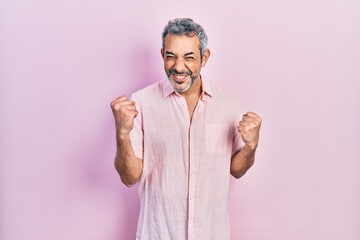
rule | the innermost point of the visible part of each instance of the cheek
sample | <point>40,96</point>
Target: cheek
<point>194,67</point>
<point>169,64</point>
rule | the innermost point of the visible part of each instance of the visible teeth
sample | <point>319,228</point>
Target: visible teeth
<point>179,76</point>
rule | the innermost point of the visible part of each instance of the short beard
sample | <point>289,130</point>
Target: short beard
<point>189,73</point>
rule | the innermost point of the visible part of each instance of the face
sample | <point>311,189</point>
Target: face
<point>182,60</point>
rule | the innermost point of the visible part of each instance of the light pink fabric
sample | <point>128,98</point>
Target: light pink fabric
<point>184,185</point>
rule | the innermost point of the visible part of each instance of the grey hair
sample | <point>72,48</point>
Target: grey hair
<point>187,27</point>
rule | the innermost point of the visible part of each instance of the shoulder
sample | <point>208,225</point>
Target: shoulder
<point>223,95</point>
<point>224,103</point>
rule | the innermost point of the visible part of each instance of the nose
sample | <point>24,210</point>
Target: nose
<point>180,65</point>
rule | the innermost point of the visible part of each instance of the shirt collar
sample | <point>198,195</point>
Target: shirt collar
<point>168,89</point>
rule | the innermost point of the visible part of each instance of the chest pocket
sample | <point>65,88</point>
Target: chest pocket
<point>217,135</point>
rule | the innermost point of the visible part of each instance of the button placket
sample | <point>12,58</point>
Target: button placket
<point>193,162</point>
<point>192,178</point>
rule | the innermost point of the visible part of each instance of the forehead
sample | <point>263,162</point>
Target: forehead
<point>182,43</point>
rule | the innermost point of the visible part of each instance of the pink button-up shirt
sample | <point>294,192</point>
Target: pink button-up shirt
<point>186,164</point>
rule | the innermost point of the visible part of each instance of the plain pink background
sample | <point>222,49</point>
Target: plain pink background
<point>296,63</point>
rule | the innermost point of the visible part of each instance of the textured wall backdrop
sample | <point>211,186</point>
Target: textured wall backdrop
<point>296,63</point>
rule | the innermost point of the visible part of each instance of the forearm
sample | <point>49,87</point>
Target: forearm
<point>127,164</point>
<point>242,161</point>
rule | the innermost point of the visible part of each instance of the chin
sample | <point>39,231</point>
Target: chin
<point>180,88</point>
<point>183,89</point>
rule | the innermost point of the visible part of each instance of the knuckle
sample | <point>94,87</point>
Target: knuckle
<point>119,107</point>
<point>115,107</point>
<point>113,103</point>
<point>122,109</point>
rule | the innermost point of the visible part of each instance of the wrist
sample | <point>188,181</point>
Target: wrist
<point>250,147</point>
<point>121,135</point>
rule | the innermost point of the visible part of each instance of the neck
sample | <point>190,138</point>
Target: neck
<point>194,90</point>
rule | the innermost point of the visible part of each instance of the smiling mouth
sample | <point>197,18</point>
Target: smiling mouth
<point>179,78</point>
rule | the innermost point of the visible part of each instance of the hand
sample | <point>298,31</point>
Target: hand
<point>249,128</point>
<point>124,111</point>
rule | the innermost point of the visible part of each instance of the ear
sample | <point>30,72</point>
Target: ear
<point>162,52</point>
<point>205,57</point>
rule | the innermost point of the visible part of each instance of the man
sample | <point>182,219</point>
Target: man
<point>180,139</point>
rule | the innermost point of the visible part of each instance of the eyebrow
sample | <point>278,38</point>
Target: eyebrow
<point>186,54</point>
<point>170,53</point>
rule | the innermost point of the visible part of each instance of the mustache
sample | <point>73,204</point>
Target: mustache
<point>174,71</point>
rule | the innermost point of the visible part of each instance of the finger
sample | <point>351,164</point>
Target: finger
<point>124,102</point>
<point>130,108</point>
<point>136,113</point>
<point>249,119</point>
<point>241,129</point>
<point>247,124</point>
<point>253,115</point>
<point>122,98</point>
<point>133,113</point>
<point>242,123</point>
<point>247,128</point>
<point>118,99</point>
<point>120,104</point>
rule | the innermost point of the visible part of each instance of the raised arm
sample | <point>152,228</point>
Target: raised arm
<point>127,164</point>
<point>249,128</point>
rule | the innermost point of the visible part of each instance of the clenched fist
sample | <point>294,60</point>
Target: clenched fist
<point>124,111</point>
<point>249,128</point>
